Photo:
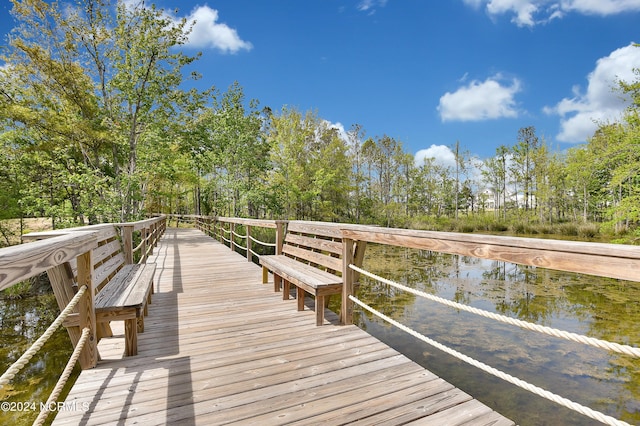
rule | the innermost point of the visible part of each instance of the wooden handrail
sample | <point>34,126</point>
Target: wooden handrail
<point>18,263</point>
<point>150,228</point>
<point>204,223</point>
<point>605,260</point>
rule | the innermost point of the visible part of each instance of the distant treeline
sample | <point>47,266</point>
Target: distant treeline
<point>96,125</point>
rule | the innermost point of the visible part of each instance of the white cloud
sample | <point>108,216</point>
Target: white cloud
<point>441,154</point>
<point>532,12</point>
<point>370,6</point>
<point>340,128</point>
<point>477,101</point>
<point>207,32</point>
<point>600,103</point>
<point>601,7</point>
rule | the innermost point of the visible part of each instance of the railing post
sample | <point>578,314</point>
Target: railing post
<point>279,235</point>
<point>232,229</point>
<point>87,314</point>
<point>154,235</point>
<point>143,245</point>
<point>346,312</point>
<point>127,237</point>
<point>248,243</point>
<point>216,228</point>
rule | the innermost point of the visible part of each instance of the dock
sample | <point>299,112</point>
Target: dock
<point>220,347</point>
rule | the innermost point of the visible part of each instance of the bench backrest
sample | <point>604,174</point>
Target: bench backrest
<point>319,245</point>
<point>108,258</point>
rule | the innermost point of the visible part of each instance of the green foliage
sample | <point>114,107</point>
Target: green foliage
<point>95,125</point>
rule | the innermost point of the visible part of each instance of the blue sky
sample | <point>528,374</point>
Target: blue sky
<point>426,72</point>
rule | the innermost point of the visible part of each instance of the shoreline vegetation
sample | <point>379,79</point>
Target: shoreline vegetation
<point>589,232</point>
<point>107,131</point>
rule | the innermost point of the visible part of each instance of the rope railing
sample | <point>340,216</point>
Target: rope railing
<point>596,415</point>
<point>49,251</point>
<point>236,245</point>
<point>223,233</point>
<point>64,377</point>
<point>235,234</point>
<point>38,344</point>
<point>255,240</point>
<point>574,337</point>
<point>593,414</point>
<point>215,227</point>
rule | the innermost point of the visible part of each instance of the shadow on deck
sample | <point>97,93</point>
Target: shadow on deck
<point>220,347</point>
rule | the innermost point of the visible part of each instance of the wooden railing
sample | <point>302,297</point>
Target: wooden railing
<point>50,250</point>
<point>604,260</point>
<point>599,259</point>
<point>227,230</point>
<point>19,263</point>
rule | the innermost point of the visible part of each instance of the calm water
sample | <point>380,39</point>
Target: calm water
<point>602,308</point>
<point>22,322</point>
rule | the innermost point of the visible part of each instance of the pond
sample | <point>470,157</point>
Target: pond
<point>602,308</point>
<point>22,322</point>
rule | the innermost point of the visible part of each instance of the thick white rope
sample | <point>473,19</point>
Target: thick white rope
<point>37,345</point>
<point>64,377</point>
<point>574,337</point>
<point>238,235</point>
<point>495,372</point>
<point>262,242</point>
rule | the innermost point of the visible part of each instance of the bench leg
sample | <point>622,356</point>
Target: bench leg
<point>277,281</point>
<point>265,275</point>
<point>285,289</point>
<point>130,337</point>
<point>320,310</point>
<point>300,293</point>
<point>140,323</point>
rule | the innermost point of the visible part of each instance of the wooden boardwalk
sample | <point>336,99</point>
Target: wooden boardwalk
<point>219,347</point>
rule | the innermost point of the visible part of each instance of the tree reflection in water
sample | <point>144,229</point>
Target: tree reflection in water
<point>607,309</point>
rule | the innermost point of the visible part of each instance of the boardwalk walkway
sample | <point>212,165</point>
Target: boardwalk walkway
<point>219,347</point>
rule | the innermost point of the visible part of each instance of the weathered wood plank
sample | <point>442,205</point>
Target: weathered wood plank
<point>306,255</point>
<point>294,270</point>
<point>610,260</point>
<point>315,243</point>
<point>219,347</point>
<point>120,293</point>
<point>20,262</point>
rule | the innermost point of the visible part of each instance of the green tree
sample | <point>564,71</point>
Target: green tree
<point>524,153</point>
<point>93,84</point>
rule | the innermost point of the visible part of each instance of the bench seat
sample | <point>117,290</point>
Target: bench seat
<point>311,261</point>
<point>303,275</point>
<point>125,297</point>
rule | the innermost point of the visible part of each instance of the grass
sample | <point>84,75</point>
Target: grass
<point>515,227</point>
<point>10,229</point>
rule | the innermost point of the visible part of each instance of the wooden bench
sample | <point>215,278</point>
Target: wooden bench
<point>312,262</point>
<point>122,291</point>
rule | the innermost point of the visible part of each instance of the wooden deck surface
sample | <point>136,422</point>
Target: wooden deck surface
<point>219,347</point>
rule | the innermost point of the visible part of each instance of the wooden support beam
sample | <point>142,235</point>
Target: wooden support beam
<point>346,312</point>
<point>127,237</point>
<point>86,309</point>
